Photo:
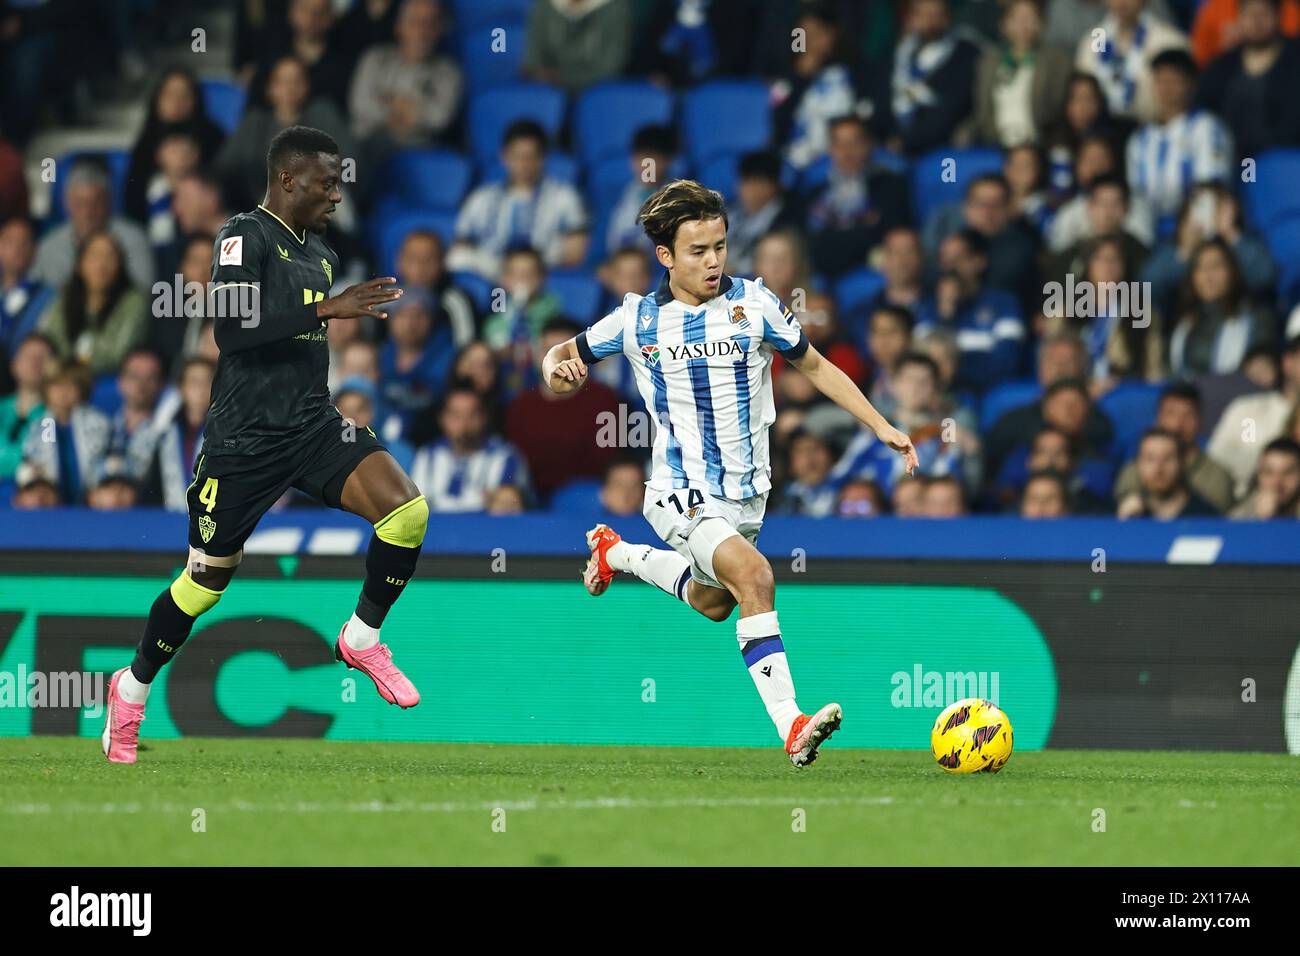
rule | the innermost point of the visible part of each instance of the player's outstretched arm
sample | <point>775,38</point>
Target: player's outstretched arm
<point>831,381</point>
<point>563,369</point>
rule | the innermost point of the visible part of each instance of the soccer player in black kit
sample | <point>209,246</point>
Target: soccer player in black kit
<point>271,427</point>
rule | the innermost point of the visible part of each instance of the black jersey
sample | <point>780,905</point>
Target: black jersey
<point>271,384</point>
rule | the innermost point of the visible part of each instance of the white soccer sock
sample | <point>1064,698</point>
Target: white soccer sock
<point>760,643</point>
<point>666,570</point>
<point>130,689</point>
<point>359,635</point>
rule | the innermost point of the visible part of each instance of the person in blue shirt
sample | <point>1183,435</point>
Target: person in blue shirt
<point>415,362</point>
<point>23,297</point>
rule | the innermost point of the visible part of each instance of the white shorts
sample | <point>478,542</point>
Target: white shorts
<point>693,523</point>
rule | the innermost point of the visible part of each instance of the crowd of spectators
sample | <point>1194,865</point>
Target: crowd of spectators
<point>1120,131</point>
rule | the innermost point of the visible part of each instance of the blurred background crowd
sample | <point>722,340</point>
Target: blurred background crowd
<point>912,178</point>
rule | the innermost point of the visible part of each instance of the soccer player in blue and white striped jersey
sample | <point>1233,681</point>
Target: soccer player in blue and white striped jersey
<point>701,346</point>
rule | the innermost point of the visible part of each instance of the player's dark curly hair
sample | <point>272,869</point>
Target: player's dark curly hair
<point>294,142</point>
<point>682,200</point>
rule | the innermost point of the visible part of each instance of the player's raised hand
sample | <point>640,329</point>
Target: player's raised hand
<point>901,443</point>
<point>572,371</point>
<point>361,300</point>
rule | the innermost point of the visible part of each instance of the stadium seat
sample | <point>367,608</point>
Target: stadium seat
<point>607,116</point>
<point>559,166</point>
<point>725,116</point>
<point>430,178</point>
<point>485,63</point>
<point>476,287</point>
<point>855,289</point>
<point>390,230</point>
<point>1001,399</point>
<point>579,292</point>
<point>224,102</point>
<point>104,395</point>
<point>1131,408</point>
<point>117,161</point>
<point>487,14</point>
<point>582,495</point>
<point>1283,239</point>
<point>606,180</point>
<point>721,173</point>
<point>1275,193</point>
<point>491,111</point>
<point>931,188</point>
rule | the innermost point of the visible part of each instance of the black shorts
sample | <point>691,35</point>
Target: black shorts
<point>230,493</point>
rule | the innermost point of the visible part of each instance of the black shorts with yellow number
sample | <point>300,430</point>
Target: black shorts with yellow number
<point>230,493</point>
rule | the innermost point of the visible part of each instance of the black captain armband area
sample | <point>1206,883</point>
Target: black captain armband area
<point>796,351</point>
<point>584,350</point>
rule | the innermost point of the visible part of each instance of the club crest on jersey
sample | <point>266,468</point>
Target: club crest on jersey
<point>738,317</point>
<point>207,528</point>
<point>651,355</point>
<point>329,271</point>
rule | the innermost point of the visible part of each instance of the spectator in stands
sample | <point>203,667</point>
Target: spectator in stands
<point>817,87</point>
<point>682,42</point>
<point>176,111</point>
<point>1088,479</point>
<point>527,208</point>
<point>654,149</point>
<point>178,156</point>
<point>573,44</point>
<point>421,264</point>
<point>477,368</point>
<point>861,498</point>
<point>1024,169</point>
<point>527,307</point>
<point>849,214</point>
<point>415,362</point>
<point>1095,159</point>
<point>824,333</point>
<point>1251,86</point>
<point>908,499</point>
<point>114,488</point>
<point>163,456</point>
<point>1251,421</point>
<point>460,470</point>
<point>1019,85</point>
<point>987,322</point>
<point>557,433</point>
<point>1179,414</point>
<point>1011,245</point>
<point>1045,496</point>
<point>901,261</point>
<point>932,80</point>
<point>176,336</point>
<point>1277,484</point>
<point>1181,146</point>
<point>1123,64</point>
<point>506,500</point>
<point>889,339</point>
<point>1162,491</point>
<point>1084,112</point>
<point>763,207</point>
<point>98,316</point>
<point>623,490</point>
<point>357,400</point>
<point>1209,210</point>
<point>36,490</point>
<point>406,93</point>
<point>289,101</point>
<point>1218,324</point>
<point>1121,343</point>
<point>26,405</point>
<point>626,271</point>
<point>944,497</point>
<point>1223,27</point>
<point>810,490</point>
<point>86,197</point>
<point>139,384</point>
<point>1107,208</point>
<point>196,209</point>
<point>312,38</point>
<point>23,297</point>
<point>781,261</point>
<point>68,442</point>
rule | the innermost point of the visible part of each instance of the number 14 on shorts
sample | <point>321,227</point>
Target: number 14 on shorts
<point>694,498</point>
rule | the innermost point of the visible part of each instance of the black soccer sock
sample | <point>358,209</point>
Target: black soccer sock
<point>388,568</point>
<point>168,628</point>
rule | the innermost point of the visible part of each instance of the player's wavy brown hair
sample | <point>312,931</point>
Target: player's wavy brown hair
<point>682,200</point>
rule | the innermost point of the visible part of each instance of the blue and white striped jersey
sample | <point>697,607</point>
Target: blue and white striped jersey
<point>452,482</point>
<point>1165,160</point>
<point>705,373</point>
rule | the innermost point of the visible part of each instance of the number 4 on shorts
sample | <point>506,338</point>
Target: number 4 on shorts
<point>208,495</point>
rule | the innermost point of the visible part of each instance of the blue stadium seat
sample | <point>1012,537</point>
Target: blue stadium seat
<point>431,178</point>
<point>1275,193</point>
<point>607,116</point>
<point>104,395</point>
<point>721,173</point>
<point>579,292</point>
<point>477,288</point>
<point>1131,408</point>
<point>856,288</point>
<point>582,495</point>
<point>389,230</point>
<point>559,166</point>
<point>224,102</point>
<point>1283,239</point>
<point>8,488</point>
<point>485,63</point>
<point>725,116</point>
<point>491,111</point>
<point>606,181</point>
<point>1001,399</point>
<point>486,14</point>
<point>930,188</point>
<point>117,161</point>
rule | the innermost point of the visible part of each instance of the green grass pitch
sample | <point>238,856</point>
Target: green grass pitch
<point>297,802</point>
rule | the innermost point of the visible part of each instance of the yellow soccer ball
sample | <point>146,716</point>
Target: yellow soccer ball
<point>972,735</point>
